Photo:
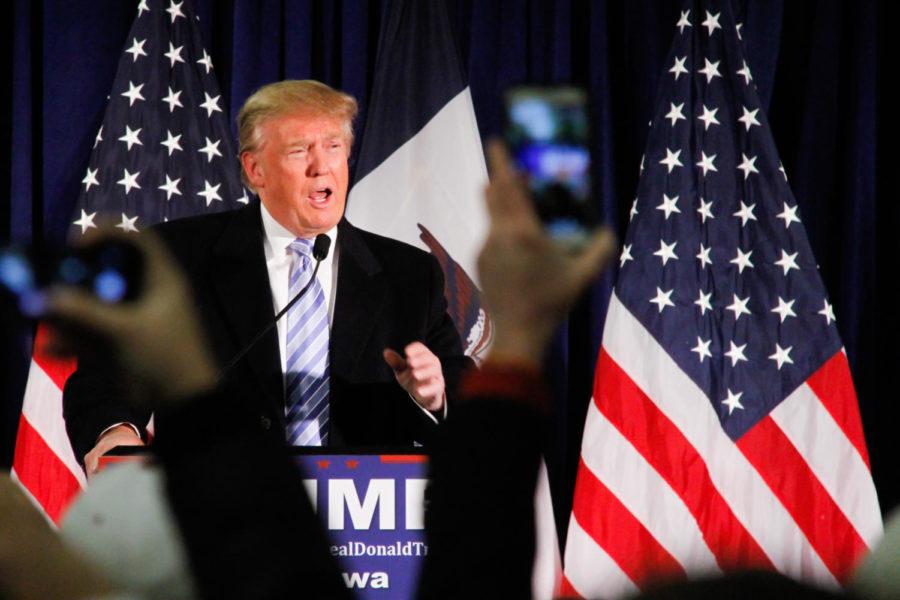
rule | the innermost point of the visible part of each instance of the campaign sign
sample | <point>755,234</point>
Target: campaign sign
<point>372,506</point>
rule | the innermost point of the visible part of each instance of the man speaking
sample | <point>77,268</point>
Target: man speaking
<point>366,356</point>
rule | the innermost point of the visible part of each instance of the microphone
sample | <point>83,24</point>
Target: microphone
<point>320,249</point>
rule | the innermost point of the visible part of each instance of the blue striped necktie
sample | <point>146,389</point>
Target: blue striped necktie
<point>306,409</point>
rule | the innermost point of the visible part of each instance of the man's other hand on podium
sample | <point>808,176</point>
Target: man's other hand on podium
<point>118,435</point>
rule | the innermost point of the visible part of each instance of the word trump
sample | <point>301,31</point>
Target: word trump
<point>380,497</point>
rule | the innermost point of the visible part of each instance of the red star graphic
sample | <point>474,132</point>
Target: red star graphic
<point>352,464</point>
<point>323,464</point>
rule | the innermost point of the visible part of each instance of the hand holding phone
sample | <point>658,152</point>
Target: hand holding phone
<point>528,279</point>
<point>150,331</point>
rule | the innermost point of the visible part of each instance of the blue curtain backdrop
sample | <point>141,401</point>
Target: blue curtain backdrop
<point>819,66</point>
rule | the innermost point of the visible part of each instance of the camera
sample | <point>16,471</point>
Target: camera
<point>112,271</point>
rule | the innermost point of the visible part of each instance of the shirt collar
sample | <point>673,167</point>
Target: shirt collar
<point>278,238</point>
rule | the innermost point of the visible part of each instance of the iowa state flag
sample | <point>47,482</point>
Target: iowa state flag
<point>420,173</point>
<point>420,179</point>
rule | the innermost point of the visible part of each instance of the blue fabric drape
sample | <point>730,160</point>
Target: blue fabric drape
<point>818,66</point>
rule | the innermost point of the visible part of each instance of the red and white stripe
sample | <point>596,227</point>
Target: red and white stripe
<point>663,492</point>
<point>44,463</point>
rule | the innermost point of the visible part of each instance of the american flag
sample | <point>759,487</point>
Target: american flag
<point>723,430</point>
<point>164,151</point>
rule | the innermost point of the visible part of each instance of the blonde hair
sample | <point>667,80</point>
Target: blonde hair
<point>288,97</point>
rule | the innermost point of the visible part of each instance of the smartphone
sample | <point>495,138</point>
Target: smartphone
<point>112,271</point>
<point>548,134</point>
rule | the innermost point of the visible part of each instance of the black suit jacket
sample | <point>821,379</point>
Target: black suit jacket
<point>388,295</point>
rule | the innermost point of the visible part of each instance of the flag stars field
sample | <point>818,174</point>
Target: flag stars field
<point>160,139</point>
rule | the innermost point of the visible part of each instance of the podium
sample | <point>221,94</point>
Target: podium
<point>371,502</point>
